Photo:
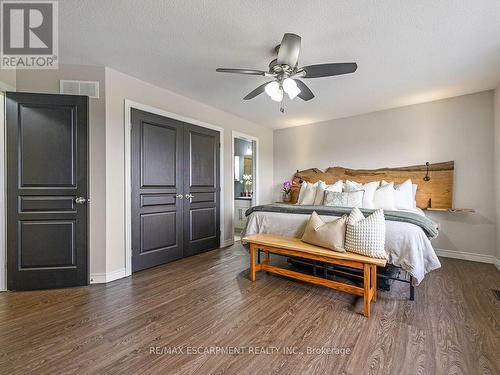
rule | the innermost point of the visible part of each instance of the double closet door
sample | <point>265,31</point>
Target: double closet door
<point>175,172</point>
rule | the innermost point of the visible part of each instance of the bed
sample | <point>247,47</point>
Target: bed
<point>408,246</point>
<point>408,232</point>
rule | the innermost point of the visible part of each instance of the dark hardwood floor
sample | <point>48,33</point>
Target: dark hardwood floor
<point>206,302</point>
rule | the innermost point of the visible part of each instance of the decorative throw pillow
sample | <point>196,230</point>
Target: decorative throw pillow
<point>320,193</point>
<point>330,235</point>
<point>384,196</point>
<point>307,193</point>
<point>336,186</point>
<point>344,199</point>
<point>403,196</point>
<point>414,188</point>
<point>366,236</point>
<point>369,189</point>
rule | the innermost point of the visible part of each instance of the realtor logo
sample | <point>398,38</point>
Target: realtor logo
<point>29,35</point>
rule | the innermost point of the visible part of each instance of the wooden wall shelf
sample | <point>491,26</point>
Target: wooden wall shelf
<point>463,210</point>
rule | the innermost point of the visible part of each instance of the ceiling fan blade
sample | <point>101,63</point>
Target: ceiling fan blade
<point>288,53</point>
<point>241,71</point>
<point>328,70</point>
<point>305,93</point>
<point>259,90</point>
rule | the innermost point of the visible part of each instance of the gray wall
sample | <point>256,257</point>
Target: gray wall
<point>47,81</point>
<point>8,79</point>
<point>459,129</point>
<point>497,169</point>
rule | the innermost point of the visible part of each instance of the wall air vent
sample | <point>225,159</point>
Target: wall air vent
<point>89,88</point>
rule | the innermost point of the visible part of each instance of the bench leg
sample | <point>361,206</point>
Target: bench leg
<point>366,285</point>
<point>252,262</point>
<point>374,281</point>
<point>412,289</point>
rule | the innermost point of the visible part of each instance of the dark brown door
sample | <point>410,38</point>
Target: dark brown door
<point>46,191</point>
<point>175,189</point>
<point>157,223</point>
<point>202,190</point>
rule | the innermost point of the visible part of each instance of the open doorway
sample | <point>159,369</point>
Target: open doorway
<point>244,176</point>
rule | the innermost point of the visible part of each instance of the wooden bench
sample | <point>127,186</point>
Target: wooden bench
<point>294,247</point>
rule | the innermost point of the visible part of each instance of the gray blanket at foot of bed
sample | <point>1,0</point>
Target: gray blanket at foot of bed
<point>428,226</point>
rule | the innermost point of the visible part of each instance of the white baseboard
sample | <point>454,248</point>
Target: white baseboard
<point>226,243</point>
<point>469,256</point>
<point>100,278</point>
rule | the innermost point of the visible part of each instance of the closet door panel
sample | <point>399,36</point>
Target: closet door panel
<point>201,186</point>
<point>157,180</point>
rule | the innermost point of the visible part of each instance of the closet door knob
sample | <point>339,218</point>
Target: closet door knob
<point>179,196</point>
<point>189,196</point>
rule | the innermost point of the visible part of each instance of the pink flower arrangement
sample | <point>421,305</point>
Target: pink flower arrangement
<point>287,186</point>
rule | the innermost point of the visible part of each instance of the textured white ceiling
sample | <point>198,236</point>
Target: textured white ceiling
<point>407,51</point>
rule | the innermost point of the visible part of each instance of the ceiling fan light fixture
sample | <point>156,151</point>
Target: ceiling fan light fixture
<point>290,87</point>
<point>274,91</point>
<point>272,88</point>
<point>277,97</point>
<point>287,74</point>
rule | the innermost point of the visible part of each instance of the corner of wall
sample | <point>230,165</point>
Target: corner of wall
<point>496,110</point>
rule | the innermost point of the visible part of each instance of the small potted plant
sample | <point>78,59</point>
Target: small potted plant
<point>287,190</point>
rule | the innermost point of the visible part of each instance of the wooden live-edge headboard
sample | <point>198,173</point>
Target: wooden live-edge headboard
<point>435,193</point>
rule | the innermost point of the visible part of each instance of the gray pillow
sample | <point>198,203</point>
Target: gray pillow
<point>330,235</point>
<point>344,199</point>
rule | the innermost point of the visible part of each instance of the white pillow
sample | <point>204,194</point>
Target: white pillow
<point>320,193</point>
<point>403,196</point>
<point>384,196</point>
<point>369,189</point>
<point>337,187</point>
<point>344,199</point>
<point>307,193</point>
<point>303,187</point>
<point>414,188</point>
<point>366,236</point>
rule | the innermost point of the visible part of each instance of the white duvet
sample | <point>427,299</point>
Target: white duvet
<point>406,244</point>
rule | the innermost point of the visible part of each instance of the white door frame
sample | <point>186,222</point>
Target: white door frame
<point>129,104</point>
<point>255,197</point>
<point>3,197</point>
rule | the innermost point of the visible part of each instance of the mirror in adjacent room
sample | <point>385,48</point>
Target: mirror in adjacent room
<point>244,165</point>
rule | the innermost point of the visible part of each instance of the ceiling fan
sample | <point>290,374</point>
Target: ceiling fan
<point>286,73</point>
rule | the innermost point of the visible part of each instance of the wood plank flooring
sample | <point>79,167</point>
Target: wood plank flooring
<point>206,303</point>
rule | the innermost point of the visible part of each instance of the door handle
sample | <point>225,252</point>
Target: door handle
<point>189,196</point>
<point>179,196</point>
<point>80,200</point>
